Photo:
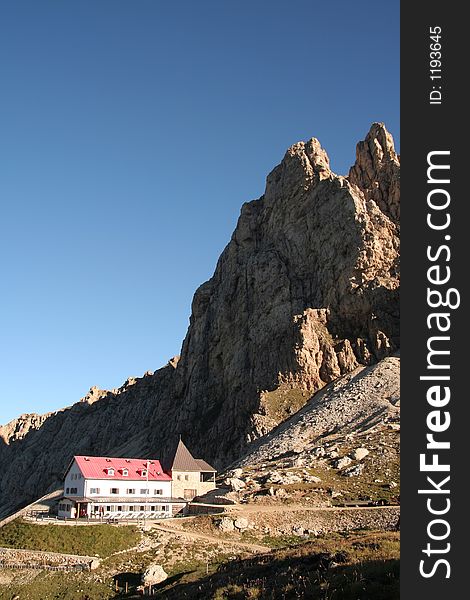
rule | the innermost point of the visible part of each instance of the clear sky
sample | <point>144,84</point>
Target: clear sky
<point>131,132</point>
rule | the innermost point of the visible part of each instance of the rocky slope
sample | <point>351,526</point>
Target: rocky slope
<point>305,291</point>
<point>353,405</point>
<point>343,445</point>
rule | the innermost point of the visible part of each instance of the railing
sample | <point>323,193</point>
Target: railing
<point>23,511</point>
<point>109,518</point>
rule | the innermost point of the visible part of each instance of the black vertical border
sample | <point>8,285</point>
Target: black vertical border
<point>425,128</point>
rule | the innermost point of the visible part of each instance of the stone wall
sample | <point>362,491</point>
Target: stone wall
<point>189,480</point>
<point>36,558</point>
<point>325,521</point>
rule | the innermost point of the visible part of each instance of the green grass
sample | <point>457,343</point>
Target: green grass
<point>55,586</point>
<point>358,566</point>
<point>278,541</point>
<point>283,402</point>
<point>91,540</point>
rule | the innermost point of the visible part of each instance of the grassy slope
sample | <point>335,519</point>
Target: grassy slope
<point>366,567</point>
<point>41,585</point>
<point>359,566</point>
<point>93,540</point>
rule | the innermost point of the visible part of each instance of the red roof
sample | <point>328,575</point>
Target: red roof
<point>96,467</point>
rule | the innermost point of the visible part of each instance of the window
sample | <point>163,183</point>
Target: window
<point>142,508</point>
<point>158,492</point>
<point>186,477</point>
<point>73,490</point>
<point>178,477</point>
<point>143,473</point>
<point>125,472</point>
<point>67,490</point>
<point>165,508</point>
<point>108,508</point>
<point>119,508</point>
<point>110,471</point>
<point>131,490</point>
<point>131,508</point>
<point>114,490</point>
<point>94,490</point>
<point>143,492</point>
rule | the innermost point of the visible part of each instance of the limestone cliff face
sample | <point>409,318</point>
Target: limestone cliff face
<point>306,290</point>
<point>18,428</point>
<point>377,171</point>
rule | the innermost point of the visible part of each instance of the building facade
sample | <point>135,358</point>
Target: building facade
<point>103,487</point>
<point>191,476</point>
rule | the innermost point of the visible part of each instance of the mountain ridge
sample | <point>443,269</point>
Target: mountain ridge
<point>305,291</point>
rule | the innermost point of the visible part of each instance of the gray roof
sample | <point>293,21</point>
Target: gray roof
<point>183,460</point>
<point>205,466</point>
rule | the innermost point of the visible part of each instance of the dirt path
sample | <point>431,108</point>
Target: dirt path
<point>192,535</point>
<point>253,508</point>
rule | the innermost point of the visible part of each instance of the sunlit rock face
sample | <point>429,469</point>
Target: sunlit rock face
<point>305,291</point>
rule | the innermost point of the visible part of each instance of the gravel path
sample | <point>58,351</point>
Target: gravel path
<point>192,535</point>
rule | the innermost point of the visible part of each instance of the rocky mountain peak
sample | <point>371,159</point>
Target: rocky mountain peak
<point>304,164</point>
<point>305,291</point>
<point>18,428</point>
<point>376,171</point>
<point>94,394</point>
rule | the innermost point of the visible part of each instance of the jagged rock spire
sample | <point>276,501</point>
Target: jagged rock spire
<point>376,171</point>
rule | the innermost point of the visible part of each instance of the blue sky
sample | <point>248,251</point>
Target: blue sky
<point>131,132</point>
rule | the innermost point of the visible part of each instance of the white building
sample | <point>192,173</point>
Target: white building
<point>105,487</point>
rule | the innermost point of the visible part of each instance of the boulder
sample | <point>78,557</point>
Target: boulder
<point>154,574</point>
<point>360,453</point>
<point>283,479</point>
<point>235,484</point>
<point>226,524</point>
<point>241,523</point>
<point>354,471</point>
<point>237,473</point>
<point>342,462</point>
